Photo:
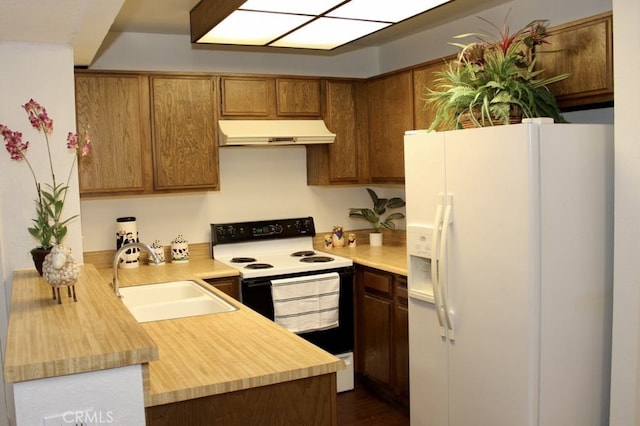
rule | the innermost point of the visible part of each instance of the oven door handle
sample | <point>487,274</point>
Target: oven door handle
<point>254,284</point>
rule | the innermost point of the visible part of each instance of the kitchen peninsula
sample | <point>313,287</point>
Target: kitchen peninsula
<point>200,370</point>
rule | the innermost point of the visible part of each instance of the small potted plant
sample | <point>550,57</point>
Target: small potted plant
<point>374,215</point>
<point>494,81</point>
<point>49,228</point>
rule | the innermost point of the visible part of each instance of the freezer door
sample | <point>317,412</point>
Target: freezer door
<point>428,366</point>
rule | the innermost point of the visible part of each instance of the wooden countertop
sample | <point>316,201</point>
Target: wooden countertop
<point>219,353</point>
<point>214,354</point>
<point>188,357</point>
<point>46,339</point>
<point>390,258</point>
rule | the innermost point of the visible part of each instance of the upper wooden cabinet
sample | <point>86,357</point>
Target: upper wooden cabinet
<point>247,96</point>
<point>116,108</point>
<point>150,133</point>
<point>269,97</point>
<point>337,163</point>
<point>297,96</point>
<point>185,154</point>
<point>390,114</point>
<point>586,52</point>
<point>424,78</point>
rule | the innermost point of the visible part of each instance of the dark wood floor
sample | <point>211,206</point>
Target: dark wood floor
<point>360,407</point>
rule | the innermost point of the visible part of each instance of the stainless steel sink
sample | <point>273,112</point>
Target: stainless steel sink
<point>170,300</point>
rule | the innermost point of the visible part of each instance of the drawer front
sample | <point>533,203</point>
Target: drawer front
<point>378,283</point>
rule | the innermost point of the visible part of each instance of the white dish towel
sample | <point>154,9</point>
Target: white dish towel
<point>309,303</point>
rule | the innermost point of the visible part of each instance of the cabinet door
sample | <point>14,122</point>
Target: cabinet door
<point>185,153</point>
<point>376,344</point>
<point>390,115</point>
<point>247,96</point>
<point>401,338</point>
<point>586,52</point>
<point>230,286</point>
<point>374,325</point>
<point>336,163</point>
<point>298,97</point>
<point>424,80</point>
<point>116,109</point>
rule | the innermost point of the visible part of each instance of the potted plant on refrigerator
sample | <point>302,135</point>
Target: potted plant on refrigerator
<point>374,215</point>
<point>495,81</point>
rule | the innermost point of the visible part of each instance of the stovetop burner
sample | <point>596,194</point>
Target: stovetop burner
<point>316,259</point>
<point>259,266</point>
<point>303,253</point>
<point>269,248</point>
<point>243,260</point>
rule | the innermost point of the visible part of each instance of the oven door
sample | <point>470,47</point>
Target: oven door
<point>256,294</point>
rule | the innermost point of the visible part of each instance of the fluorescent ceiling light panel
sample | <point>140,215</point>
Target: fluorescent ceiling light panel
<point>384,10</point>
<point>328,33</point>
<point>304,7</point>
<point>305,24</point>
<point>252,28</point>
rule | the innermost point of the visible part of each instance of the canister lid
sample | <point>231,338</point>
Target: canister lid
<point>126,219</point>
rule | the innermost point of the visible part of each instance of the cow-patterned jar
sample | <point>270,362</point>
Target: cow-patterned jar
<point>179,250</point>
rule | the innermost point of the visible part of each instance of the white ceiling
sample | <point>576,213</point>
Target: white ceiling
<point>85,23</point>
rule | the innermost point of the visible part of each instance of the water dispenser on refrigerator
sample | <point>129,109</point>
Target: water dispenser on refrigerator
<point>420,281</point>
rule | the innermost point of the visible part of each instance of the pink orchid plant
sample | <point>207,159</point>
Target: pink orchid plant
<point>48,227</point>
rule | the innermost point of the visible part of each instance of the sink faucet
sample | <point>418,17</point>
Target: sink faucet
<point>116,284</point>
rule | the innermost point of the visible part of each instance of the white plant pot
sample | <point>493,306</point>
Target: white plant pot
<point>375,239</point>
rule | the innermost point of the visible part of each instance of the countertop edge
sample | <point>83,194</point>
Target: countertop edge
<point>50,330</point>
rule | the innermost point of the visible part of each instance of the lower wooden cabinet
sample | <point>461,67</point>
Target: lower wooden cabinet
<point>228,285</point>
<point>309,401</point>
<point>382,338</point>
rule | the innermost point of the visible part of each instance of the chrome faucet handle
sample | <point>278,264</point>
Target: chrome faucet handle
<point>115,284</point>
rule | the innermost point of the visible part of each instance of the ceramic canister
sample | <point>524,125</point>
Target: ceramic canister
<point>179,250</point>
<point>127,232</point>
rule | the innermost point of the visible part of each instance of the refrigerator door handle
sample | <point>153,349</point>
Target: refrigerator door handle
<point>437,222</point>
<point>443,281</point>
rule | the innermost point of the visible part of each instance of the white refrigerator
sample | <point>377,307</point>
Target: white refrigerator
<point>510,248</point>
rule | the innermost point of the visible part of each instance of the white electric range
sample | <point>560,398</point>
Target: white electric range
<point>282,249</point>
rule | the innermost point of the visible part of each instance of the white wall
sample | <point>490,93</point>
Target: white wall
<point>45,73</point>
<point>625,394</point>
<point>256,184</point>
<point>113,396</point>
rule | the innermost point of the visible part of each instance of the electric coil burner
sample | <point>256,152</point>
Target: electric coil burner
<point>242,260</point>
<point>303,253</point>
<point>259,266</point>
<point>263,251</point>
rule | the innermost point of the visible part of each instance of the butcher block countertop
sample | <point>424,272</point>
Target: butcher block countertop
<point>46,339</point>
<point>390,257</point>
<point>187,357</point>
<point>386,258</point>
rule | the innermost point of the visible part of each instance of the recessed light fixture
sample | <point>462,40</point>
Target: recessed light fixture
<point>318,24</point>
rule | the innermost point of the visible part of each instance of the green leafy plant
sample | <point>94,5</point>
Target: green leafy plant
<point>493,79</point>
<point>380,206</point>
<point>48,228</point>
